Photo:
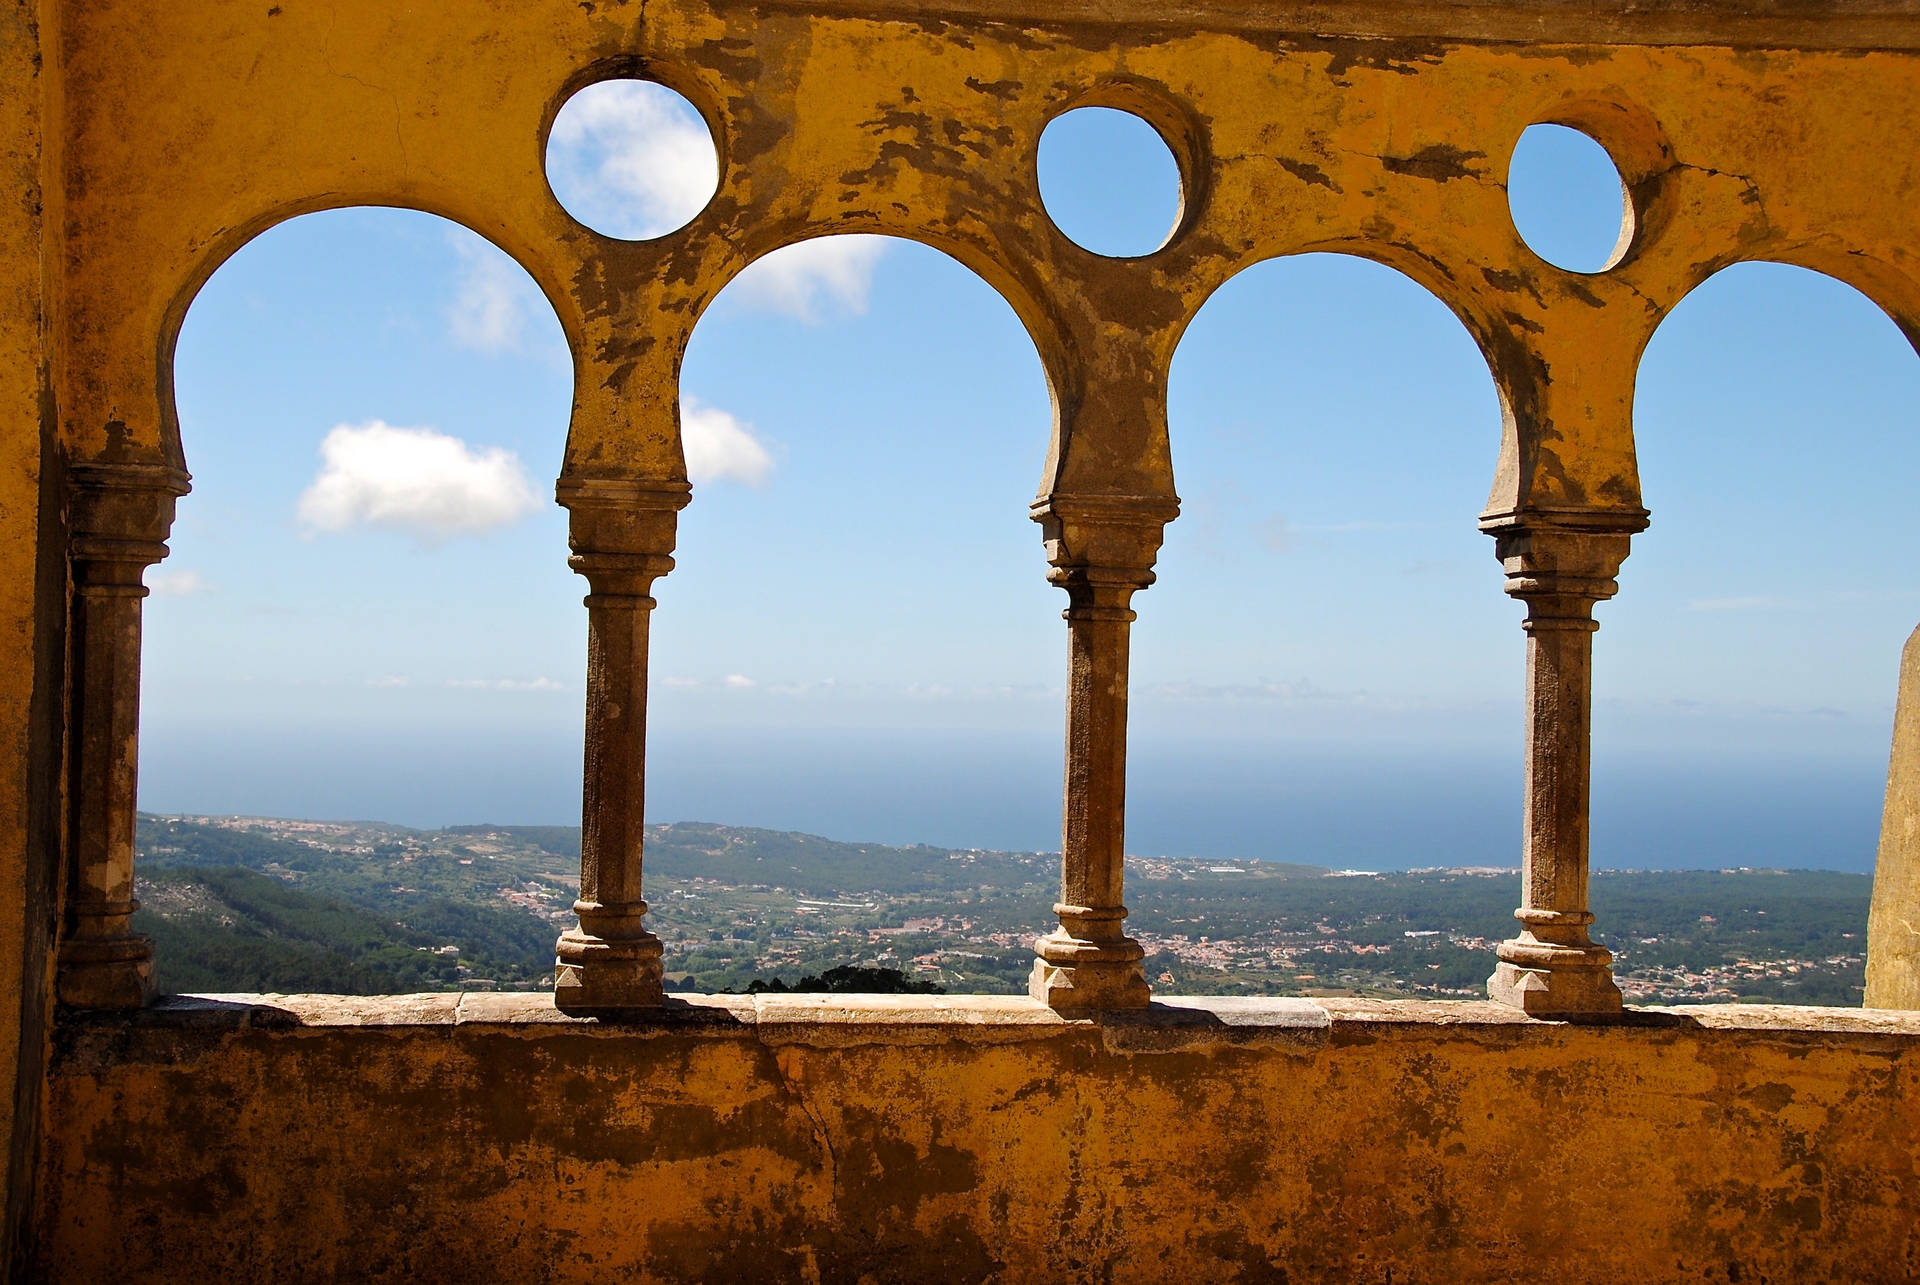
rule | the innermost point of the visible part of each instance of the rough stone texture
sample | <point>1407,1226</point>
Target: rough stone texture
<point>483,1138</point>
<point>32,597</point>
<point>1893,928</point>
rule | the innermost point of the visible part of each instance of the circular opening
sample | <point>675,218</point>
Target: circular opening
<point>1567,200</point>
<point>1109,182</point>
<point>631,159</point>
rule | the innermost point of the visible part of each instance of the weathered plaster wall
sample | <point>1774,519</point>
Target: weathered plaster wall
<point>441,1138</point>
<point>32,605</point>
<point>1381,130</point>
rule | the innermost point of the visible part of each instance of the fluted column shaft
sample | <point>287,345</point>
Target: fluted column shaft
<point>622,539</point>
<point>1102,551</point>
<point>120,516</point>
<point>1553,967</point>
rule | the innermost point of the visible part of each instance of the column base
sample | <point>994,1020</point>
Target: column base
<point>1072,975</point>
<point>1564,991</point>
<point>115,973</point>
<point>596,977</point>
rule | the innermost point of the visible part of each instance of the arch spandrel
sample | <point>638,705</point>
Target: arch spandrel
<point>158,200</point>
<point>833,121</point>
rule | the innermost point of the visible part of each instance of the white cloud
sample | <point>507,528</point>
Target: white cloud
<point>740,682</point>
<point>631,159</point>
<point>801,280</point>
<point>176,584</point>
<point>493,299</point>
<point>389,680</point>
<point>719,446</point>
<point>428,484</point>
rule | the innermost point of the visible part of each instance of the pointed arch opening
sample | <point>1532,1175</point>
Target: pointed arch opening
<point>366,630</point>
<point>1747,679</point>
<point>858,641</point>
<point>1324,672</point>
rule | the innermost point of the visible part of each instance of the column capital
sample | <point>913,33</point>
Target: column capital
<point>119,516</point>
<point>1102,547</point>
<point>622,530</point>
<point>1561,563</point>
<point>634,494</point>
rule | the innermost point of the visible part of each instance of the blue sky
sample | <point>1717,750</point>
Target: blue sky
<point>368,611</point>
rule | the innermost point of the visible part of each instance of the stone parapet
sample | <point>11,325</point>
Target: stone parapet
<point>798,1137</point>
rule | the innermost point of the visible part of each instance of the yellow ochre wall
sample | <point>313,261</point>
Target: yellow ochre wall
<point>32,594</point>
<point>190,127</point>
<point>486,1138</point>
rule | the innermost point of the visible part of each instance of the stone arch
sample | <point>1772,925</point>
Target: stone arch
<point>1744,598</point>
<point>1890,288</point>
<point>216,255</point>
<point>1026,299</point>
<point>1250,476</point>
<point>1505,362</point>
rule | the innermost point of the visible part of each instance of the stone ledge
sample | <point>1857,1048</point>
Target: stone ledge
<point>828,1020</point>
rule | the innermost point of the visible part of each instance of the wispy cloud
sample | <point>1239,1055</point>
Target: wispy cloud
<point>809,280</point>
<point>425,483</point>
<point>1300,692</point>
<point>721,447</point>
<point>541,684</point>
<point>1757,602</point>
<point>494,300</point>
<point>840,689</point>
<point>1356,528</point>
<point>1275,534</point>
<point>176,584</point>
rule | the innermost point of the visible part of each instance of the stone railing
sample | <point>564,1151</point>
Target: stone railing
<point>830,1138</point>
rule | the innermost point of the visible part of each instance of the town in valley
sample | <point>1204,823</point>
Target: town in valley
<point>255,904</point>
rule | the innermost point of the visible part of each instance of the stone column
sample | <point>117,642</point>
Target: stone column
<point>1102,551</point>
<point>622,535</point>
<point>119,516</point>
<point>1560,570</point>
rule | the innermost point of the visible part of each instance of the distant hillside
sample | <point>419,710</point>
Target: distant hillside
<point>808,863</point>
<point>246,903</point>
<point>232,929</point>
